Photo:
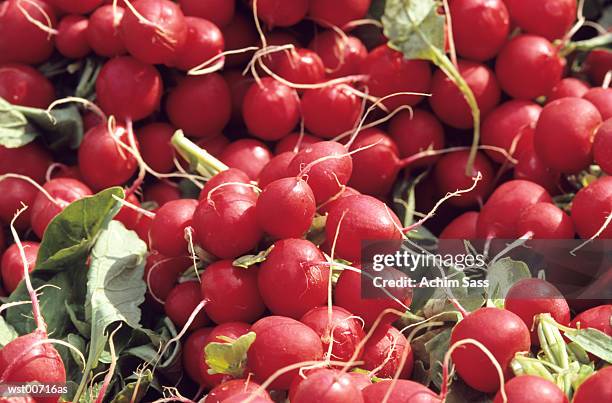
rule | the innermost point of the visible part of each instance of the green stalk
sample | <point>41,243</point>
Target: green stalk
<point>530,366</point>
<point>586,45</point>
<point>205,164</point>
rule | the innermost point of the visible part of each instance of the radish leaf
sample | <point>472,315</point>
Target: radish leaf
<point>229,358</point>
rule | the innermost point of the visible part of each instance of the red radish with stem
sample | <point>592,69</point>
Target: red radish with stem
<point>568,87</point>
<point>463,227</point>
<point>548,18</point>
<point>401,391</point>
<point>162,192</point>
<point>286,207</point>
<point>564,134</point>
<point>602,146</point>
<point>238,35</point>
<point>14,192</point>
<point>545,221</point>
<point>71,38</point>
<point>598,318</point>
<point>449,103</point>
<point>76,6</point>
<point>234,388</point>
<point>531,389</point>
<point>235,214</point>
<point>169,224</point>
<point>339,12</point>
<point>330,111</point>
<point>510,126</point>
<point>384,351</point>
<point>389,72</point>
<point>248,155</point>
<point>128,89</point>
<point>301,66</point>
<point>502,332</point>
<point>281,342</point>
<point>30,160</point>
<point>221,334</point>
<point>342,330</point>
<point>232,293</point>
<point>15,29</point>
<point>528,66</point>
<point>294,142</point>
<point>602,99</point>
<point>103,35</point>
<point>219,12</point>
<point>182,301</point>
<point>499,216</point>
<point>530,167</point>
<point>193,351</point>
<point>279,13</point>
<point>200,105</point>
<point>341,55</point>
<point>345,192</point>
<point>12,266</point>
<point>327,385</point>
<point>450,176</point>
<point>294,278</point>
<point>416,132</point>
<point>157,34</point>
<point>597,387</point>
<point>229,181</point>
<point>277,38</point>
<point>129,216</point>
<point>277,168</point>
<point>270,109</point>
<point>100,147</point>
<point>64,191</point>
<point>155,147</point>
<point>591,207</point>
<point>532,296</point>
<point>480,27</point>
<point>597,65</point>
<point>204,41</point>
<point>23,85</point>
<point>162,272</point>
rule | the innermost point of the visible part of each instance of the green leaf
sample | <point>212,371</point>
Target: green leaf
<point>14,129</point>
<point>593,341</point>
<point>249,260</point>
<point>7,332</point>
<point>502,275</point>
<point>229,358</point>
<point>459,392</point>
<point>75,312</point>
<point>437,348</point>
<point>72,233</point>
<point>134,392</point>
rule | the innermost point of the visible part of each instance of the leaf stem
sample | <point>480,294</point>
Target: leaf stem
<point>206,163</point>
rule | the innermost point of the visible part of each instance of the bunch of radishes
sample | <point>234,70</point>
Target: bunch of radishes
<point>261,142</point>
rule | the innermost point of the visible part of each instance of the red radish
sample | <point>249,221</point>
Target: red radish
<point>339,12</point>
<point>480,27</point>
<point>220,184</point>
<point>238,86</point>
<point>221,334</point>
<point>326,207</point>
<point>158,39</point>
<point>502,332</point>
<point>103,31</point>
<point>598,318</point>
<point>23,85</point>
<point>530,167</point>
<point>597,65</point>
<point>330,111</point>
<point>277,168</point>
<point>155,147</point>
<point>231,293</point>
<point>233,388</point>
<point>596,388</point>
<point>204,41</point>
<point>286,207</point>
<point>389,72</point>
<point>200,105</point>
<point>402,391</point>
<point>246,396</point>
<point>248,155</point>
<point>301,66</point>
<point>129,217</point>
<point>143,228</point>
<point>290,142</point>
<point>13,192</point>
<point>18,399</point>
<point>294,278</point>
<point>281,342</point>
<point>193,352</point>
<point>375,168</point>
<point>450,176</point>
<point>162,192</point>
<point>327,386</point>
<point>270,109</point>
<point>360,218</point>
<point>341,56</point>
<point>128,88</point>
<point>325,176</point>
<point>602,146</point>
<point>66,171</point>
<point>100,148</point>
<point>449,103</point>
<point>384,351</point>
<point>238,35</point>
<point>214,145</point>
<point>12,266</point>
<point>30,160</point>
<point>277,38</point>
<point>548,18</point>
<point>528,66</point>
<point>602,99</point>
<point>531,389</point>
<point>348,295</point>
<point>219,12</point>
<point>168,227</point>
<point>76,6</point>
<point>181,302</point>
<point>279,13</point>
<point>591,206</point>
<point>511,123</point>
<point>16,30</point>
<point>2,242</point>
<point>64,191</point>
<point>564,134</point>
<point>416,132</point>
<point>162,272</point>
<point>532,296</point>
<point>462,227</point>
<point>342,330</point>
<point>568,87</point>
<point>71,39</point>
<point>226,224</point>
<point>545,221</point>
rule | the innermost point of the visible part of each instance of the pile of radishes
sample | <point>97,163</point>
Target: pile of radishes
<point>260,143</point>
